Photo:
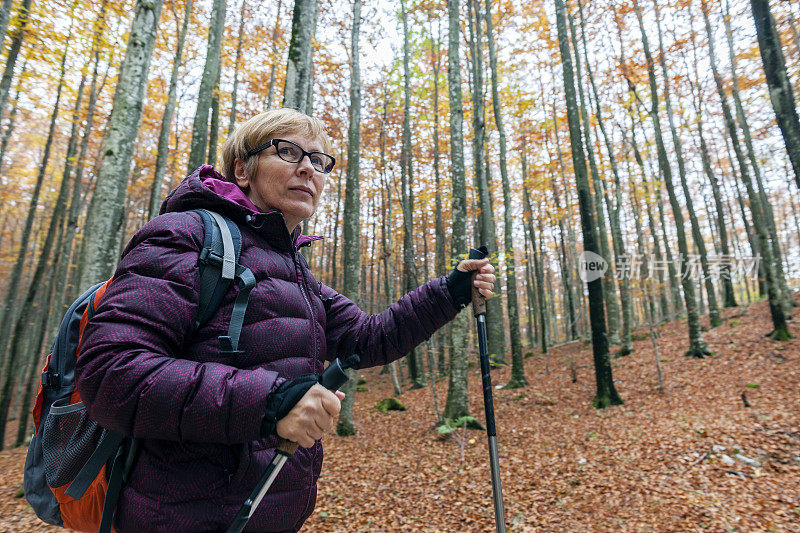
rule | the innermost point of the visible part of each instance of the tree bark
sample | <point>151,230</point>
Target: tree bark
<point>769,217</point>
<point>414,358</point>
<point>457,403</point>
<point>16,331</point>
<point>274,56</point>
<point>297,86</point>
<point>104,216</point>
<point>606,391</point>
<point>11,60</point>
<point>780,328</point>
<point>713,314</point>
<point>620,256</point>
<point>780,87</point>
<point>697,346</point>
<point>237,61</point>
<point>166,119</point>
<point>517,364</point>
<point>351,239</point>
<point>197,154</point>
<point>12,115</point>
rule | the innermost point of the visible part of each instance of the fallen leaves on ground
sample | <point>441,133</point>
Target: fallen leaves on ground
<point>691,459</point>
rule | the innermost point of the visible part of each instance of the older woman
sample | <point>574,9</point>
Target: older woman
<point>207,419</point>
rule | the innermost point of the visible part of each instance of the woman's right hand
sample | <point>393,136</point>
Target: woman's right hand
<point>311,417</point>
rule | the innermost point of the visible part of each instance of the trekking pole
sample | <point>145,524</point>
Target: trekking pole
<point>479,309</point>
<point>331,378</point>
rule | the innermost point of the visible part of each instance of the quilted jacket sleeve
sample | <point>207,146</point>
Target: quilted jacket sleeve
<point>382,338</point>
<point>131,372</point>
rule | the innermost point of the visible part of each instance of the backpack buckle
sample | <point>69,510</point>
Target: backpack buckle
<point>208,257</point>
<point>51,380</point>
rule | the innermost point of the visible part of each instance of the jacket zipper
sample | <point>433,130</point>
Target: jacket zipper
<point>301,280</point>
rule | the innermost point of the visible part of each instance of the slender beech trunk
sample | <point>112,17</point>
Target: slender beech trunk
<point>609,285</point>
<point>65,254</point>
<point>780,329</point>
<point>713,310</point>
<point>237,61</point>
<point>103,218</point>
<point>487,233</point>
<point>16,330</point>
<point>780,88</point>
<point>606,391</point>
<point>351,238</point>
<point>517,363</point>
<point>213,127</point>
<point>457,403</point>
<point>11,60</point>
<point>12,114</point>
<point>697,346</point>
<point>727,285</point>
<point>166,119</point>
<point>529,291</point>
<point>199,144</point>
<point>274,56</point>
<point>333,259</point>
<point>537,263</point>
<point>441,246</point>
<point>769,217</point>
<point>415,365</point>
<point>5,14</point>
<point>626,347</point>
<point>297,86</point>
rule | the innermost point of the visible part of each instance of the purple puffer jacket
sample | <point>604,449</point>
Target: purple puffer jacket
<point>145,371</point>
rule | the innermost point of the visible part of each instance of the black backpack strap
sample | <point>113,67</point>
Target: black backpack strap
<point>109,445</point>
<point>219,263</point>
<point>115,482</point>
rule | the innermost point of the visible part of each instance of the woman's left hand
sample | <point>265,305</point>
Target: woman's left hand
<point>484,279</point>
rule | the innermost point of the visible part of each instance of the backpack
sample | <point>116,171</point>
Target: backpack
<point>75,468</point>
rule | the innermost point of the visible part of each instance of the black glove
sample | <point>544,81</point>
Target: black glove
<point>459,285</point>
<point>283,400</point>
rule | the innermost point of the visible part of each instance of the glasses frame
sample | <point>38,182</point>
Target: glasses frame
<point>274,142</point>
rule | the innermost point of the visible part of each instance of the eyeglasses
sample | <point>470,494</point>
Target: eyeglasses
<point>292,153</point>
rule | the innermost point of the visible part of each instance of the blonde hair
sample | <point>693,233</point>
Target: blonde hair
<point>263,127</point>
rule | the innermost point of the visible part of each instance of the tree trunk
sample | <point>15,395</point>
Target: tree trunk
<point>457,403</point>
<point>620,256</point>
<point>537,264</point>
<point>609,285</point>
<point>197,155</point>
<point>274,56</point>
<point>12,115</point>
<point>751,156</point>
<point>103,218</point>
<point>351,239</point>
<point>517,363</point>
<point>414,359</point>
<point>487,233</point>
<point>232,120</point>
<point>780,88</point>
<point>166,119</point>
<point>606,391</point>
<point>17,334</point>
<point>5,13</point>
<point>713,314</point>
<point>297,85</point>
<point>697,346</point>
<point>441,246</point>
<point>780,328</point>
<point>213,128</point>
<point>11,60</point>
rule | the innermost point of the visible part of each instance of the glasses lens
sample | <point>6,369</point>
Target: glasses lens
<point>289,152</point>
<point>321,162</point>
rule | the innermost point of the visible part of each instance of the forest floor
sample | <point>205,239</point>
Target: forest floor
<point>693,458</point>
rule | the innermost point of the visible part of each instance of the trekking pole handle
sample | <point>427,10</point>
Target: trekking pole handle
<point>331,378</point>
<point>478,301</point>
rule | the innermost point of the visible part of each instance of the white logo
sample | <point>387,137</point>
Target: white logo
<point>591,266</point>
